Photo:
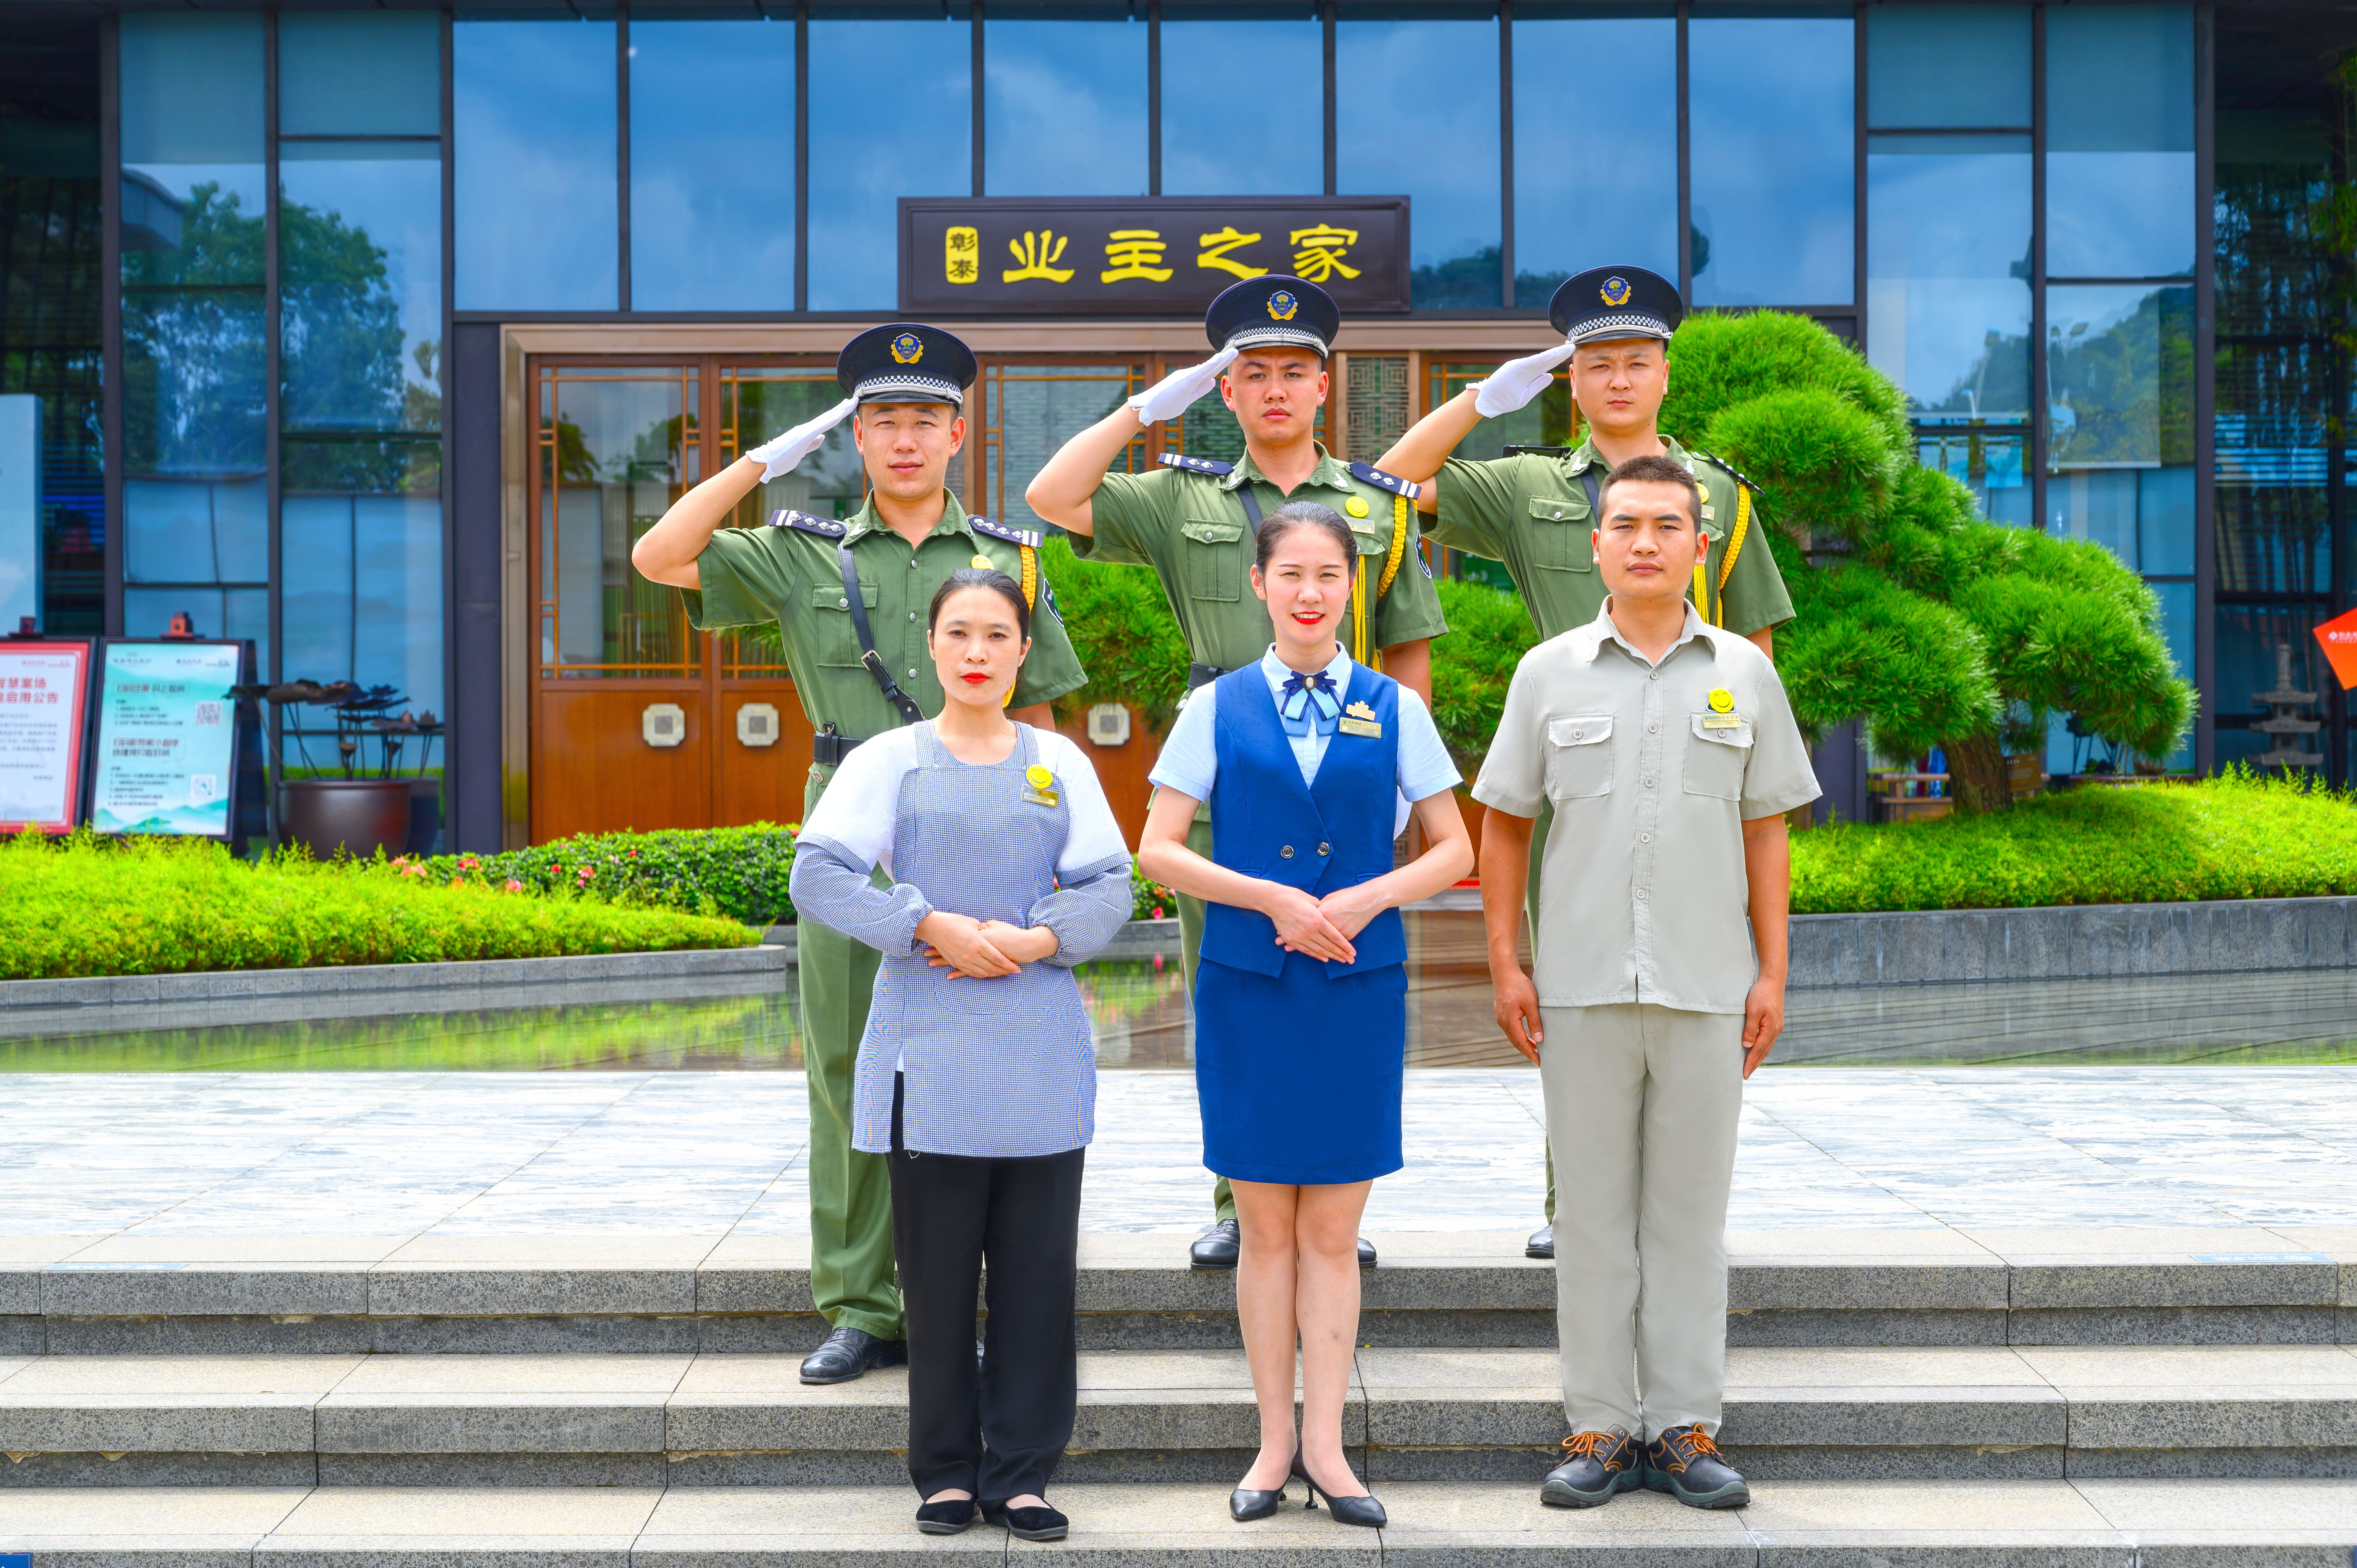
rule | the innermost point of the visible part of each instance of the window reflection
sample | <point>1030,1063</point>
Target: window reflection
<point>191,136</point>
<point>1596,153</point>
<point>1063,107</point>
<point>1949,65</point>
<point>1992,464</point>
<point>196,531</point>
<point>1398,131</point>
<point>360,240</point>
<point>1947,248</point>
<point>860,166</point>
<point>706,232</point>
<point>1220,141</point>
<point>213,612</point>
<point>361,597</point>
<point>1772,113</point>
<point>2119,438</point>
<point>192,382</point>
<point>532,108</point>
<point>617,446</point>
<point>360,73</point>
<point>2119,141</point>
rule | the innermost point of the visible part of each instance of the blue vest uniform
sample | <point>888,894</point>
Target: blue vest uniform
<point>1298,1061</point>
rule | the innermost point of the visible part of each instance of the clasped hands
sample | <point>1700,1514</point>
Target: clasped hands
<point>1322,928</point>
<point>982,950</point>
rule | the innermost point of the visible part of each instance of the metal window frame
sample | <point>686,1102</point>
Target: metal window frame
<point>2205,405</point>
<point>110,287</point>
<point>273,346</point>
<point>622,156</point>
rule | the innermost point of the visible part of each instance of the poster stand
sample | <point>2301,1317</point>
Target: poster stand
<point>44,685</point>
<point>169,728</point>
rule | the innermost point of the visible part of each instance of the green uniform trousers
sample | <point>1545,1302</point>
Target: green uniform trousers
<point>1190,946</point>
<point>851,1277</point>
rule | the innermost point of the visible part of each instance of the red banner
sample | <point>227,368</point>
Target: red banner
<point>2339,636</point>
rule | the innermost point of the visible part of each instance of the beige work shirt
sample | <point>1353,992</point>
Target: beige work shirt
<point>1654,770</point>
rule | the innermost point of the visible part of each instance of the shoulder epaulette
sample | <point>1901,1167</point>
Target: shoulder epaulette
<point>1211,465</point>
<point>1368,474</point>
<point>1000,531</point>
<point>1537,451</point>
<point>1729,469</point>
<point>825,527</point>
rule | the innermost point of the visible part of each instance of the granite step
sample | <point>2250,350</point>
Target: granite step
<point>1789,1524</point>
<point>658,1295</point>
<point>1986,1414</point>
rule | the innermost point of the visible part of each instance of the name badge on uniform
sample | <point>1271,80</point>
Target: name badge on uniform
<point>1360,719</point>
<point>1722,714</point>
<point>1039,785</point>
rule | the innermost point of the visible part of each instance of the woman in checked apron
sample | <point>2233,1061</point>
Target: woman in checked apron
<point>976,1073</point>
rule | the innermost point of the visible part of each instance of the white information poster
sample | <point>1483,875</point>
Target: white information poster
<point>44,693</point>
<point>167,738</point>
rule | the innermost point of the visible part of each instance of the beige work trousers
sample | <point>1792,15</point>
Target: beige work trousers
<point>1641,1107</point>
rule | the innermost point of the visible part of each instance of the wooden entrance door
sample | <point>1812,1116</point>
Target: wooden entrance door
<point>637,721</point>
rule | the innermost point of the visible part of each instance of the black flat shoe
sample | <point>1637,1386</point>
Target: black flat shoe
<point>1216,1248</point>
<point>1028,1524</point>
<point>1366,1253</point>
<point>849,1353</point>
<point>1542,1242</point>
<point>949,1518</point>
<point>1360,1511</point>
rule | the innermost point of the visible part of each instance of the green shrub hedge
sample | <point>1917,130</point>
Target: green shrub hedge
<point>86,905</point>
<point>2236,836</point>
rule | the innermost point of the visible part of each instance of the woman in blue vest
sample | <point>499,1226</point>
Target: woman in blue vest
<point>1309,762</point>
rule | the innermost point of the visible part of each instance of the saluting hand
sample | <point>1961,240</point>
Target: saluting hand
<point>957,942</point>
<point>1516,381</point>
<point>1176,393</point>
<point>1302,925</point>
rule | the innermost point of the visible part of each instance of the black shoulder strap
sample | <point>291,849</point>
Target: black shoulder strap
<point>1368,474</point>
<point>1252,507</point>
<point>857,605</point>
<point>1588,482</point>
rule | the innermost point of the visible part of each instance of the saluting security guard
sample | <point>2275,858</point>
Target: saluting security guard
<point>850,599</point>
<point>1533,511</point>
<point>1197,522</point>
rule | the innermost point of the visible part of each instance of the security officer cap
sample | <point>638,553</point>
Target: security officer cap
<point>1273,309</point>
<point>905,363</point>
<point>1616,302</point>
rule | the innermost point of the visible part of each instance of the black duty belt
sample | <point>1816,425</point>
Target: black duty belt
<point>857,605</point>
<point>1202,675</point>
<point>828,748</point>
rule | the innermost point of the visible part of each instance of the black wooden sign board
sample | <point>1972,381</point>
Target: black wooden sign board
<point>1146,255</point>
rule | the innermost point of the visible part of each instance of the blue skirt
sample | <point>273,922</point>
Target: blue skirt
<point>1298,1077</point>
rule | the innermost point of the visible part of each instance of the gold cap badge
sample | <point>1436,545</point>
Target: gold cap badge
<point>1722,700</point>
<point>907,349</point>
<point>1281,304</point>
<point>1615,291</point>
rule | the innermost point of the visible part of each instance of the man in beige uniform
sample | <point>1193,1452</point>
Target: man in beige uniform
<point>1670,755</point>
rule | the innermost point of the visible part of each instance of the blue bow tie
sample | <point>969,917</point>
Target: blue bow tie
<point>1307,699</point>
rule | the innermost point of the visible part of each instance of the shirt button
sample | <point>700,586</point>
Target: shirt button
<point>1650,729</point>
<point>1286,853</point>
<point>912,675</point>
<point>912,615</point>
<point>1649,783</point>
<point>1653,675</point>
<point>1644,838</point>
<point>843,604</point>
<point>1325,849</point>
<point>1641,893</point>
<point>912,563</point>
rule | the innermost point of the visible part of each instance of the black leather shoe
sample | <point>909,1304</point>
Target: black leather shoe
<point>849,1353</point>
<point>1684,1463</point>
<point>1028,1524</point>
<point>1366,1253</point>
<point>1246,1505</point>
<point>1542,1242</point>
<point>1217,1248</point>
<point>949,1518</point>
<point>1361,1510</point>
<point>1597,1466</point>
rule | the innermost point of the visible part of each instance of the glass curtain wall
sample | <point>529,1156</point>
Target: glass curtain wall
<point>1948,237</point>
<point>1773,112</point>
<point>860,167</point>
<point>534,117</point>
<point>1596,146</point>
<point>361,311</point>
<point>1064,95</point>
<point>1262,133</point>
<point>712,232</point>
<point>196,402</point>
<point>1415,113</point>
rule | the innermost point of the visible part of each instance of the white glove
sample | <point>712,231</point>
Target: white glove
<point>1175,393</point>
<point>779,456</point>
<point>1517,381</point>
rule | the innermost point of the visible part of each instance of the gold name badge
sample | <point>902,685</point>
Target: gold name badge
<point>1039,797</point>
<point>1731,722</point>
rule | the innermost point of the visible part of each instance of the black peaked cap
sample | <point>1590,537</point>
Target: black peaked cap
<point>904,362</point>
<point>1273,308</point>
<point>1616,302</point>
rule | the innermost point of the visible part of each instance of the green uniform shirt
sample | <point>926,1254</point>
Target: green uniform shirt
<point>1530,511</point>
<point>784,575</point>
<point>1191,529</point>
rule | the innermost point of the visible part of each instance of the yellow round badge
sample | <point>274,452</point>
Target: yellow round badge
<point>982,563</point>
<point>1356,506</point>
<point>1722,700</point>
<point>1041,774</point>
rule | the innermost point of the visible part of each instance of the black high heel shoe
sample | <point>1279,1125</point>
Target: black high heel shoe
<point>1362,1510</point>
<point>1246,1505</point>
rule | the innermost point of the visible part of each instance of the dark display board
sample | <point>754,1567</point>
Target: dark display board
<point>166,760</point>
<point>1146,255</point>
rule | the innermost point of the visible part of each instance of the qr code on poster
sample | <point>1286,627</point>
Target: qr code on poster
<point>208,713</point>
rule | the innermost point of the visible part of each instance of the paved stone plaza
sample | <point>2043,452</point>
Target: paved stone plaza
<point>129,1161</point>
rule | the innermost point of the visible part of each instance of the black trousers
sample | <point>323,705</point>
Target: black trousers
<point>998,1434</point>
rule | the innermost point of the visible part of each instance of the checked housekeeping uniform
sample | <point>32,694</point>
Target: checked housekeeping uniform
<point>980,1094</point>
<point>1196,520</point>
<point>794,572</point>
<point>1298,1061</point>
<point>1533,511</point>
<point>1643,959</point>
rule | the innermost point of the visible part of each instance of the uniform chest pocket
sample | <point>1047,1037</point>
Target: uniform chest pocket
<point>836,639</point>
<point>1213,559</point>
<point>1578,757</point>
<point>1717,752</point>
<point>1559,533</point>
